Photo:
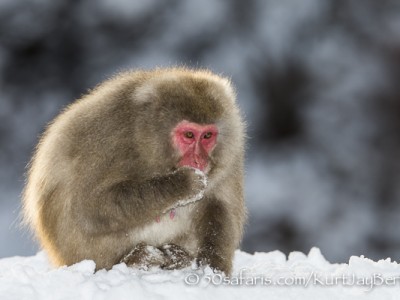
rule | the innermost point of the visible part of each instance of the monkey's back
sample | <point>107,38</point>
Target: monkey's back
<point>85,142</point>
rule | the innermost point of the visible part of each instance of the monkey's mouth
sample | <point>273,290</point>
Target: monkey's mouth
<point>195,161</point>
<point>201,167</point>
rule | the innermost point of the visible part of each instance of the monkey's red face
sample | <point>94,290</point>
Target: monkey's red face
<point>194,143</point>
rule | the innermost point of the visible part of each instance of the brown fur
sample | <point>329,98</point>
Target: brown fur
<point>105,169</point>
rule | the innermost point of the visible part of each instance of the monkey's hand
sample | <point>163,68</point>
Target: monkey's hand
<point>176,257</point>
<point>167,257</point>
<point>196,185</point>
<point>144,257</point>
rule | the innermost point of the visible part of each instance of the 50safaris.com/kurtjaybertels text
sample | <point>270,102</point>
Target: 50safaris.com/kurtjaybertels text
<point>246,278</point>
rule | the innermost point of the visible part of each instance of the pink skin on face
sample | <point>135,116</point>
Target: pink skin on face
<point>195,143</point>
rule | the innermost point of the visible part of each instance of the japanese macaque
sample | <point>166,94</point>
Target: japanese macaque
<point>146,169</point>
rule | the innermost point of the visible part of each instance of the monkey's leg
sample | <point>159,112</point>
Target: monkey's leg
<point>175,257</point>
<point>217,243</point>
<point>144,256</point>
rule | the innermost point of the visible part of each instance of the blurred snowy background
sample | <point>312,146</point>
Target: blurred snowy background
<point>318,82</point>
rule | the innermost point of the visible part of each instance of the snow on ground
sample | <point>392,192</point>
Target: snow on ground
<point>259,276</point>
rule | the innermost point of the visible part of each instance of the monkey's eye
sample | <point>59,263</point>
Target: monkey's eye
<point>207,135</point>
<point>189,134</point>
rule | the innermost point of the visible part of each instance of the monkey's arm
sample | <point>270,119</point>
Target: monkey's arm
<point>128,203</point>
<point>217,239</point>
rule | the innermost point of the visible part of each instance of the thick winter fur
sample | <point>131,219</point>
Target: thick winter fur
<point>105,169</point>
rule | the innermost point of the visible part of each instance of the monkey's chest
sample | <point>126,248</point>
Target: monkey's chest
<point>171,227</point>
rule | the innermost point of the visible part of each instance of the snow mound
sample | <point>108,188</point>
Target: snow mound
<point>259,276</point>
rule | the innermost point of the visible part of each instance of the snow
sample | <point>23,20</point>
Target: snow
<point>259,276</point>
